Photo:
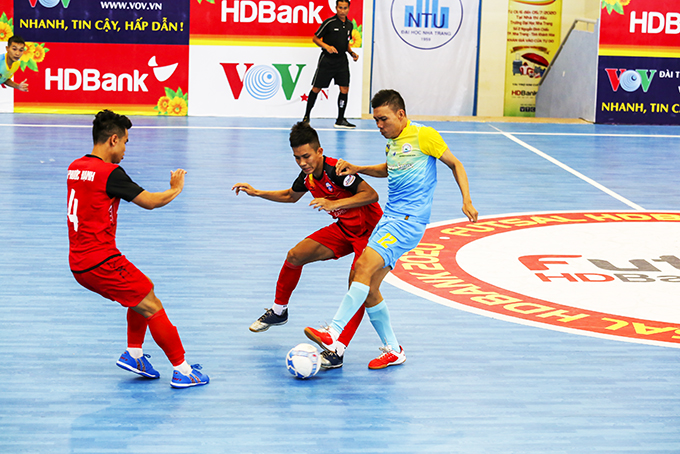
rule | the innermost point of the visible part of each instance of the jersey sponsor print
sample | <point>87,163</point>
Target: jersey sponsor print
<point>603,274</point>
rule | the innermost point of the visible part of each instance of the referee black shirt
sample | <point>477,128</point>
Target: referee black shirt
<point>336,33</point>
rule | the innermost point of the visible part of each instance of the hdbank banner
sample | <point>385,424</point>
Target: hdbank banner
<point>84,78</point>
<point>265,22</point>
<point>263,81</point>
<point>427,51</point>
<point>238,66</point>
<point>85,55</point>
<point>103,21</point>
<point>533,38</point>
<point>638,79</point>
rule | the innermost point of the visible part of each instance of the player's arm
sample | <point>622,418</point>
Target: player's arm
<point>319,42</point>
<point>151,200</point>
<point>351,53</point>
<point>23,86</point>
<point>461,178</point>
<point>365,195</point>
<point>282,196</point>
<point>345,168</point>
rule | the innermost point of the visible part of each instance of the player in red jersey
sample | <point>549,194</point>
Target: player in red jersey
<point>348,199</point>
<point>96,183</point>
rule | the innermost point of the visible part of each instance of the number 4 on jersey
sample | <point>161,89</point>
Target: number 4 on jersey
<point>73,209</point>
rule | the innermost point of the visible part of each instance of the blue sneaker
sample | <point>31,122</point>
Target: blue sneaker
<point>140,366</point>
<point>195,378</point>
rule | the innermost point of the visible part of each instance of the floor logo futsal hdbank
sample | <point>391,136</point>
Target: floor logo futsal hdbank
<point>604,274</point>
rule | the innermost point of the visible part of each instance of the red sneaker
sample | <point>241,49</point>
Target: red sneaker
<point>324,337</point>
<point>388,358</point>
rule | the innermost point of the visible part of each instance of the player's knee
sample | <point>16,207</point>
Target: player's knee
<point>294,258</point>
<point>149,305</point>
<point>373,298</point>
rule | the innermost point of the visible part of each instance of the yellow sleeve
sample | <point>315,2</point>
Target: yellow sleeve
<point>431,142</point>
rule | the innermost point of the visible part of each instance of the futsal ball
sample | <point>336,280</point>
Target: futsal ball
<point>303,361</point>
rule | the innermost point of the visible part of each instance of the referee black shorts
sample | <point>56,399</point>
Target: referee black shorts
<point>330,68</point>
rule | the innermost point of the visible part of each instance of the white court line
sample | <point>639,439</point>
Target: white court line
<point>372,130</point>
<point>572,171</point>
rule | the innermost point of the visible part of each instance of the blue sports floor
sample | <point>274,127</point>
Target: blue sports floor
<point>471,384</point>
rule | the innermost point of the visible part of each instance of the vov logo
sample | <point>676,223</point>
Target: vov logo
<point>49,3</point>
<point>630,80</point>
<point>262,82</point>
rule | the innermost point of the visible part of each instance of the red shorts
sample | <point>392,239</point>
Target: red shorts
<point>341,244</point>
<point>117,279</point>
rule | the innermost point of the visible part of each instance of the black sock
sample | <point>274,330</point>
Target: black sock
<point>342,105</point>
<point>311,99</point>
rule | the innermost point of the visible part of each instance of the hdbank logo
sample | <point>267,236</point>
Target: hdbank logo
<point>611,275</point>
<point>49,3</point>
<point>426,25</point>
<point>262,82</point>
<point>92,79</point>
<point>630,80</point>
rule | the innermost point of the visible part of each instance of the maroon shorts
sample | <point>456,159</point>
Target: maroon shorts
<point>117,279</point>
<point>341,244</point>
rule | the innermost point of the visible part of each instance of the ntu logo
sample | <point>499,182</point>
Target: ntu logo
<point>49,3</point>
<point>417,16</point>
<point>426,25</point>
<point>630,80</point>
<point>262,82</point>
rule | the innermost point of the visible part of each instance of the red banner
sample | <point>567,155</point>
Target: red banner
<point>628,27</point>
<point>267,23</point>
<point>85,78</point>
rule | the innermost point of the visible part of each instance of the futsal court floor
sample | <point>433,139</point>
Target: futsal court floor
<point>472,383</point>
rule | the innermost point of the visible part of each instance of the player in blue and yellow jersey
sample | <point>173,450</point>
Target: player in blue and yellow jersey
<point>410,168</point>
<point>351,201</point>
<point>9,63</point>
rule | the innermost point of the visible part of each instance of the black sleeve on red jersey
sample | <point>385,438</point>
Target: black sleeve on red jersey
<point>349,182</point>
<point>120,185</point>
<point>299,183</point>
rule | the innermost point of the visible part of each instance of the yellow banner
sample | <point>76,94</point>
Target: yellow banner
<point>533,39</point>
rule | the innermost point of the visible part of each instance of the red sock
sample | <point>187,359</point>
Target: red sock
<point>288,280</point>
<point>166,336</point>
<point>136,328</point>
<point>351,327</point>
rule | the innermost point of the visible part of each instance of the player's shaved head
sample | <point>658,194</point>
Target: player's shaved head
<point>15,39</point>
<point>107,123</point>
<point>303,134</point>
<point>390,98</point>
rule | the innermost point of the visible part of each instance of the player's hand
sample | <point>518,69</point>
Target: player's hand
<point>177,179</point>
<point>470,212</point>
<point>245,187</point>
<point>354,56</point>
<point>343,167</point>
<point>331,50</point>
<point>322,204</point>
<point>23,86</point>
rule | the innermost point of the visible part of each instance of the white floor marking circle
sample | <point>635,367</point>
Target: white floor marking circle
<point>604,274</point>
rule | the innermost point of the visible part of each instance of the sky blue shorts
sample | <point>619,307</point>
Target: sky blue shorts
<point>394,237</point>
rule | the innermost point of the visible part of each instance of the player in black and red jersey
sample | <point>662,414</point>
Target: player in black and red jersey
<point>348,199</point>
<point>96,183</point>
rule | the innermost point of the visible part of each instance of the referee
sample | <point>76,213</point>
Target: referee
<point>333,37</point>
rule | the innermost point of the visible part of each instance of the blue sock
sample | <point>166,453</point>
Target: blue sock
<point>380,319</point>
<point>351,303</point>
